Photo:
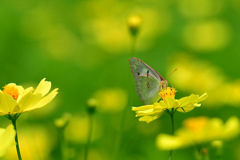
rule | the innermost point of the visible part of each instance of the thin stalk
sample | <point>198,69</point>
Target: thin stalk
<point>62,144</point>
<point>202,153</point>
<point>172,122</point>
<point>16,139</point>
<point>90,119</point>
<point>120,133</point>
<point>133,46</point>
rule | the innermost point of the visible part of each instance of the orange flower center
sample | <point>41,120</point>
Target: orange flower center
<point>169,92</point>
<point>11,90</point>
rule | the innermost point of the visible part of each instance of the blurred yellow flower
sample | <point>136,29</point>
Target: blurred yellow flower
<point>6,138</point>
<point>134,23</point>
<point>36,143</point>
<point>198,76</point>
<point>77,129</point>
<point>198,131</point>
<point>207,35</point>
<point>63,121</point>
<point>110,99</point>
<point>200,8</point>
<point>15,99</point>
<point>168,103</point>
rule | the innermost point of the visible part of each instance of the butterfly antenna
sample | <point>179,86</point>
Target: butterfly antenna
<point>172,73</point>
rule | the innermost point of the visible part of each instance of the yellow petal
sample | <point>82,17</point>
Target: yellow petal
<point>6,139</point>
<point>169,142</point>
<point>7,104</point>
<point>149,113</point>
<point>170,103</point>
<point>203,97</point>
<point>24,92</point>
<point>43,87</point>
<point>44,101</point>
<point>192,99</point>
<point>231,128</point>
<point>29,100</point>
<point>188,108</point>
<point>148,119</point>
<point>142,108</point>
<point>188,100</point>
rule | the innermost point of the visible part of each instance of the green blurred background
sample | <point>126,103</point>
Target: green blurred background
<point>83,47</point>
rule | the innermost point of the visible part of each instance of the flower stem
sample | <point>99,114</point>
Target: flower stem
<point>90,119</point>
<point>120,133</point>
<point>62,142</point>
<point>172,122</point>
<point>16,139</point>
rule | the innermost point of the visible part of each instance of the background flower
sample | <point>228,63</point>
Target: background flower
<point>200,130</point>
<point>6,139</point>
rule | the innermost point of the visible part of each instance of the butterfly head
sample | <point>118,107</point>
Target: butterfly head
<point>164,84</point>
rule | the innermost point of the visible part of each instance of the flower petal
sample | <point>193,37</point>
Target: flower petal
<point>43,87</point>
<point>192,99</point>
<point>24,92</point>
<point>169,103</point>
<point>44,101</point>
<point>7,104</point>
<point>169,142</point>
<point>149,113</point>
<point>203,97</point>
<point>142,108</point>
<point>6,139</point>
<point>231,128</point>
<point>29,100</point>
<point>149,119</point>
<point>188,108</point>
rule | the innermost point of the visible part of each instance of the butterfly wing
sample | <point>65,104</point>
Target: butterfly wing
<point>148,88</point>
<point>138,67</point>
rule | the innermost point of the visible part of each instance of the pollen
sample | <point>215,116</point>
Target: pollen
<point>11,90</point>
<point>168,92</point>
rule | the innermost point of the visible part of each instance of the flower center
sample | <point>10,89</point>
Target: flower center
<point>11,90</point>
<point>168,92</point>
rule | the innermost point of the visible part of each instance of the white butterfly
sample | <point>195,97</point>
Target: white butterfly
<point>148,82</point>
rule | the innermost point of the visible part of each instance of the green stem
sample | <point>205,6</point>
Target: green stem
<point>120,133</point>
<point>89,135</point>
<point>134,39</point>
<point>172,122</point>
<point>62,144</point>
<point>16,139</point>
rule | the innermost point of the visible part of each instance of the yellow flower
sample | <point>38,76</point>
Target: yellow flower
<point>15,99</point>
<point>199,130</point>
<point>36,143</point>
<point>134,23</point>
<point>63,121</point>
<point>109,100</point>
<point>168,103</point>
<point>6,138</point>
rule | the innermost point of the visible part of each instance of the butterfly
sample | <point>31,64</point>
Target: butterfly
<point>148,82</point>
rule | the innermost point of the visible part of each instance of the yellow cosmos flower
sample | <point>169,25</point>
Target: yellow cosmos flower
<point>200,130</point>
<point>6,138</point>
<point>15,99</point>
<point>168,103</point>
